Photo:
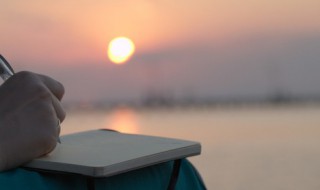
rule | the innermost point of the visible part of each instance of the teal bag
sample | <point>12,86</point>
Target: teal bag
<point>155,177</point>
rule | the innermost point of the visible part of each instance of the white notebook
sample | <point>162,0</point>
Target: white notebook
<point>102,153</point>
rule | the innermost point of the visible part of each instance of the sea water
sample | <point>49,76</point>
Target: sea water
<point>243,147</point>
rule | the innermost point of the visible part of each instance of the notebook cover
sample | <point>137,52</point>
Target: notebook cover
<point>102,153</point>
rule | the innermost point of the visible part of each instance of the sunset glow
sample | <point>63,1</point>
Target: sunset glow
<point>181,50</point>
<point>123,120</point>
<point>120,50</point>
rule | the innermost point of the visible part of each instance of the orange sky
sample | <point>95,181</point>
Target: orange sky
<point>73,30</point>
<point>51,36</point>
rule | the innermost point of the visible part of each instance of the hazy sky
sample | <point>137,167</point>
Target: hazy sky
<point>203,48</point>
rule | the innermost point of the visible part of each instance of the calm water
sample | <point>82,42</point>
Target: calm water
<point>245,148</point>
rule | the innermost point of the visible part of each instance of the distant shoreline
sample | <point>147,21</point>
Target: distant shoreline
<point>166,104</point>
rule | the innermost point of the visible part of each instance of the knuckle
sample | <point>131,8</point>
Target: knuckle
<point>62,89</point>
<point>59,90</point>
<point>32,84</point>
<point>40,91</point>
<point>25,75</point>
<point>63,115</point>
<point>48,142</point>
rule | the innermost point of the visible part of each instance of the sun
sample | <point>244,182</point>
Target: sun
<point>120,50</point>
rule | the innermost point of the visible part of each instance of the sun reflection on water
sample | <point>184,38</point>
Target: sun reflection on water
<point>124,120</point>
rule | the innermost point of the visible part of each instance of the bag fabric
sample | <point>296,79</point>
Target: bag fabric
<point>155,177</point>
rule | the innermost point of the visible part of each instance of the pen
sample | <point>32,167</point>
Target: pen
<point>6,72</point>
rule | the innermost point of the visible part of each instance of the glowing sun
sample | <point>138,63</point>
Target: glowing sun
<point>120,49</point>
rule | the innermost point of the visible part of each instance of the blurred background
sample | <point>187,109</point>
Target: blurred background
<point>241,77</point>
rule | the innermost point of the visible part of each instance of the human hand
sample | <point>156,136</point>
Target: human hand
<point>29,111</point>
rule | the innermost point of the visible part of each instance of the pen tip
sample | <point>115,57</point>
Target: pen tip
<point>4,63</point>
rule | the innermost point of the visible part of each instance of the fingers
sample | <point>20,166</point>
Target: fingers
<point>30,113</point>
<point>57,90</point>
<point>58,130</point>
<point>54,86</point>
<point>26,79</point>
<point>61,114</point>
